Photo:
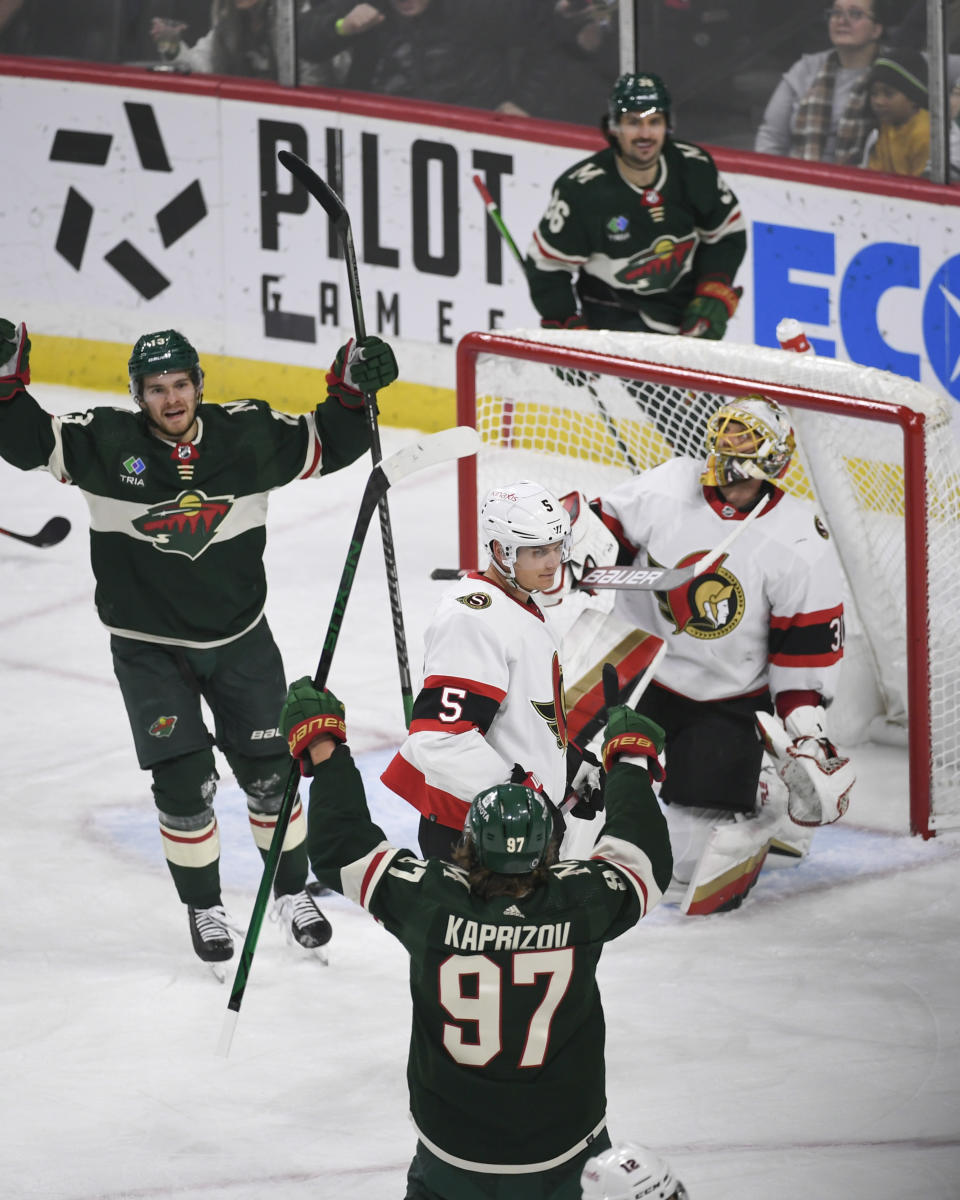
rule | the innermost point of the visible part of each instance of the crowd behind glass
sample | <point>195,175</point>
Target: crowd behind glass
<point>793,79</point>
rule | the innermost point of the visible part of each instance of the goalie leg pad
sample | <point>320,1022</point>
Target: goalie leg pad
<point>728,867</point>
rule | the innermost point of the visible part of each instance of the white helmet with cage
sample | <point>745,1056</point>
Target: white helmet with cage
<point>522,514</point>
<point>764,454</point>
<point>630,1172</point>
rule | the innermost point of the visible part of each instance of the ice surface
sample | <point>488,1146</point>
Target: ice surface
<point>806,1046</point>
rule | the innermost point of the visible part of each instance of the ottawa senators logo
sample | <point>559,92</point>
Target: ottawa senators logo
<point>660,265</point>
<point>710,606</point>
<point>554,711</point>
<point>186,525</point>
<point>475,600</point>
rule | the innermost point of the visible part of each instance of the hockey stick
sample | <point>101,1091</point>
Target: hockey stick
<point>430,449</point>
<point>665,579</point>
<point>55,530</point>
<point>493,212</point>
<point>613,694</point>
<point>334,207</point>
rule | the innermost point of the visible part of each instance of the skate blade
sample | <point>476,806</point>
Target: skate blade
<point>219,970</point>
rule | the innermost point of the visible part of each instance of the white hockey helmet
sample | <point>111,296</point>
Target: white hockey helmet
<point>630,1172</point>
<point>522,514</point>
<point>766,456</point>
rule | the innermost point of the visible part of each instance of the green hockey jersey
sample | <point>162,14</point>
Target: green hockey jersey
<point>178,530</point>
<point>506,1062</point>
<point>630,257</point>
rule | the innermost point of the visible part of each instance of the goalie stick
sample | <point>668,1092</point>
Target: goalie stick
<point>55,530</point>
<point>335,209</point>
<point>665,579</point>
<point>431,449</point>
<point>493,212</point>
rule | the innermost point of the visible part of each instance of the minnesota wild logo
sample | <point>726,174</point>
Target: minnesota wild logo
<point>162,727</point>
<point>658,267</point>
<point>186,525</point>
<point>709,607</point>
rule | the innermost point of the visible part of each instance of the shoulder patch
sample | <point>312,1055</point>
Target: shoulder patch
<point>820,527</point>
<point>475,600</point>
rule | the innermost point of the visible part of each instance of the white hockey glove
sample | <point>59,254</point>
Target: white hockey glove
<point>817,777</point>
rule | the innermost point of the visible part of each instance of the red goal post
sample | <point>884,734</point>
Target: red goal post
<point>876,452</point>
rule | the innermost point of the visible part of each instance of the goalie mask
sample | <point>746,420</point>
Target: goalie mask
<point>630,1172</point>
<point>511,828</point>
<point>522,514</point>
<point>750,438</point>
<point>158,353</point>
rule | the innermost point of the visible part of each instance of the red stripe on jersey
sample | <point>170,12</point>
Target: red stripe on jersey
<point>642,887</point>
<point>317,455</point>
<point>576,260</point>
<point>827,659</point>
<point>435,725</point>
<point>468,685</point>
<point>369,874</point>
<point>403,778</point>
<point>823,617</point>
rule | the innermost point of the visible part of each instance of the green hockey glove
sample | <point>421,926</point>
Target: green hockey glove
<point>308,714</point>
<point>358,368</point>
<point>628,733</point>
<point>14,359</point>
<point>714,303</point>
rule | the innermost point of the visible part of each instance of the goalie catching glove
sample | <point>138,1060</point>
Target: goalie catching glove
<point>308,714</point>
<point>817,777</point>
<point>635,738</point>
<point>361,367</point>
<point>14,359</point>
<point>714,303</point>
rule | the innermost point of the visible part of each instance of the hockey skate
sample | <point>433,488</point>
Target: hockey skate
<point>304,923</point>
<point>210,932</point>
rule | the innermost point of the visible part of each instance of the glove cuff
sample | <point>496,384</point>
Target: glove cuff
<point>716,289</point>
<point>636,745</point>
<point>307,731</point>
<point>574,321</point>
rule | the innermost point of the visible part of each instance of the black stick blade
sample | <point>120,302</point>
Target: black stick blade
<point>318,188</point>
<point>611,685</point>
<point>55,530</point>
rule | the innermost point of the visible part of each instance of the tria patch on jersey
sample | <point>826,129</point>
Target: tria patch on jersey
<point>186,525</point>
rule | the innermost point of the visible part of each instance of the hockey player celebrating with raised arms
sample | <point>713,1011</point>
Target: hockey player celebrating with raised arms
<point>644,235</point>
<point>178,492</point>
<point>761,629</point>
<point>506,1064</point>
<point>491,708</point>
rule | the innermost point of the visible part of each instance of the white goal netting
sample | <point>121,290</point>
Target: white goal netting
<point>877,453</point>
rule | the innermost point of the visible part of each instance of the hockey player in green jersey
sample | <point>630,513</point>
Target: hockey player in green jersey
<point>177,492</point>
<point>645,235</point>
<point>506,1063</point>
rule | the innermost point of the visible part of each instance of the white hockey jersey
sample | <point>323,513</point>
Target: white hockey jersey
<point>492,697</point>
<point>768,613</point>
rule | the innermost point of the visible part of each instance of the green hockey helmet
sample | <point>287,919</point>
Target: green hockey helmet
<point>644,93</point>
<point>156,353</point>
<point>511,828</point>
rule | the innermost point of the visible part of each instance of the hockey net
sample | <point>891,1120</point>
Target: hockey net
<point>877,453</point>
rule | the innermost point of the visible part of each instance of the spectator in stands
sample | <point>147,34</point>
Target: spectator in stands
<point>581,48</point>
<point>55,29</point>
<point>450,51</point>
<point>820,110</point>
<point>899,98</point>
<point>240,41</point>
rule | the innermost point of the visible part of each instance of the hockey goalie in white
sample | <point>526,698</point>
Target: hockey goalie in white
<point>491,709</point>
<point>756,640</point>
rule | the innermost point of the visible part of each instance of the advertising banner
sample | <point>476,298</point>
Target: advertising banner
<point>143,202</point>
